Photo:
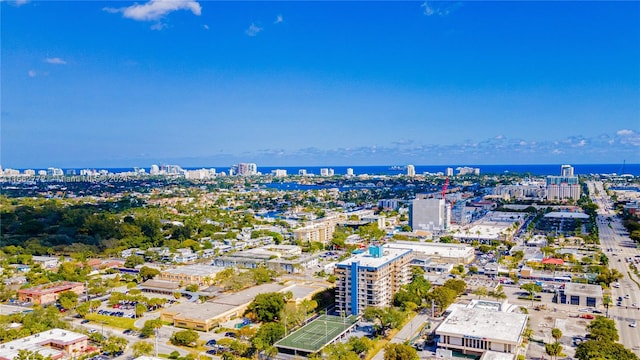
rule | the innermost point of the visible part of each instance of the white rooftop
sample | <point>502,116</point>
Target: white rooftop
<point>194,270</point>
<point>38,343</point>
<point>367,260</point>
<point>483,323</point>
<point>433,249</point>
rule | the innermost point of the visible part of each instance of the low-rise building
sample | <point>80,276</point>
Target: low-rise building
<point>476,330</point>
<point>190,274</point>
<point>438,252</point>
<point>54,343</point>
<point>48,293</point>
<point>46,262</point>
<point>582,294</point>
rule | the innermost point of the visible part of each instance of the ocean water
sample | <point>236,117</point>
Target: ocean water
<point>539,170</point>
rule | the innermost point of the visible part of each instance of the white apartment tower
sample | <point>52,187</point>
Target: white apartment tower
<point>411,170</point>
<point>429,214</point>
<point>566,170</point>
<point>449,171</point>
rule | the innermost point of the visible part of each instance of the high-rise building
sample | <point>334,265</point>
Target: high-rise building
<point>279,172</point>
<point>371,278</point>
<point>155,170</point>
<point>411,170</point>
<point>331,172</point>
<point>566,170</point>
<point>247,169</point>
<point>324,172</point>
<point>429,214</point>
<point>302,172</point>
<point>563,187</point>
<point>349,172</point>
<point>449,171</point>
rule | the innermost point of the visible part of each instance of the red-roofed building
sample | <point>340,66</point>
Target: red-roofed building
<point>552,261</point>
<point>48,293</point>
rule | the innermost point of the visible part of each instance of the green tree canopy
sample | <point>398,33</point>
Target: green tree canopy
<point>266,307</point>
<point>400,352</point>
<point>184,338</point>
<point>603,329</point>
<point>68,299</point>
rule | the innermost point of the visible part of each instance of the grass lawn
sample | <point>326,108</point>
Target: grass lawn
<point>118,322</point>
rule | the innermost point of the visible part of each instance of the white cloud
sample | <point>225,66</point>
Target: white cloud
<point>156,9</point>
<point>279,19</point>
<point>32,73</point>
<point>253,30</point>
<point>205,26</point>
<point>624,132</point>
<point>55,61</point>
<point>21,2</point>
<point>158,26</point>
<point>436,9</point>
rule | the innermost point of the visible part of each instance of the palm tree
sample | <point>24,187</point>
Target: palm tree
<point>553,349</point>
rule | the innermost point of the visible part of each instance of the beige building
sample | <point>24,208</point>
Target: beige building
<point>318,231</point>
<point>371,278</point>
<point>48,293</point>
<point>54,343</point>
<point>201,275</point>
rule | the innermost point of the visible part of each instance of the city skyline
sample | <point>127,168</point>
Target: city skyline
<point>200,83</point>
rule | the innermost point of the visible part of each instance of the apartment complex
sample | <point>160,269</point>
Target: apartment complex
<point>429,214</point>
<point>565,186</point>
<point>48,293</point>
<point>318,231</point>
<point>371,278</point>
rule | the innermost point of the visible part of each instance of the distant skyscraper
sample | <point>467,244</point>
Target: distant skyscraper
<point>279,172</point>
<point>324,172</point>
<point>411,170</point>
<point>247,169</point>
<point>302,172</point>
<point>155,170</point>
<point>349,172</point>
<point>449,171</point>
<point>331,172</point>
<point>565,186</point>
<point>566,170</point>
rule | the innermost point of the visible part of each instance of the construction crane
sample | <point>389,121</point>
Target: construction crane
<point>444,187</point>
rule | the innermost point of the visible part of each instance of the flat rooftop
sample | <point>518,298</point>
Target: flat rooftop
<point>160,284</point>
<point>583,290</point>
<point>484,324</point>
<point>434,249</point>
<point>194,270</point>
<point>247,295</point>
<point>51,287</point>
<point>367,260</point>
<point>204,311</point>
<point>495,355</point>
<point>38,343</point>
<point>567,215</point>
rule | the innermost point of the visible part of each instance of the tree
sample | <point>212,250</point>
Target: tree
<point>150,326</point>
<point>400,352</point>
<point>607,276</point>
<point>184,338</point>
<point>83,309</point>
<point>360,345</point>
<point>339,351</point>
<point>140,309</point>
<point>532,289</point>
<point>68,299</point>
<point>553,349</point>
<point>603,329</point>
<point>556,334</point>
<point>481,292</point>
<point>30,355</point>
<point>147,273</point>
<point>596,349</point>
<point>267,335</point>
<point>133,260</point>
<point>267,306</point>
<point>442,297</point>
<point>115,344</point>
<point>192,287</point>
<point>141,348</point>
<point>458,285</point>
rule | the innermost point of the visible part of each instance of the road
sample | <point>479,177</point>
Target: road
<point>411,329</point>
<point>615,237</point>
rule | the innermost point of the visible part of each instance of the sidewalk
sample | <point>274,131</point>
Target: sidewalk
<point>408,332</point>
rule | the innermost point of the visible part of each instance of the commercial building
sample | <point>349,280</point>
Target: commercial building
<point>437,252</point>
<point>190,274</point>
<point>371,278</point>
<point>479,329</point>
<point>582,294</point>
<point>429,214</point>
<point>54,343</point>
<point>48,293</point>
<point>411,170</point>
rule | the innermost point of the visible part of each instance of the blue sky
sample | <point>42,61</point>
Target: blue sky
<point>207,83</point>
